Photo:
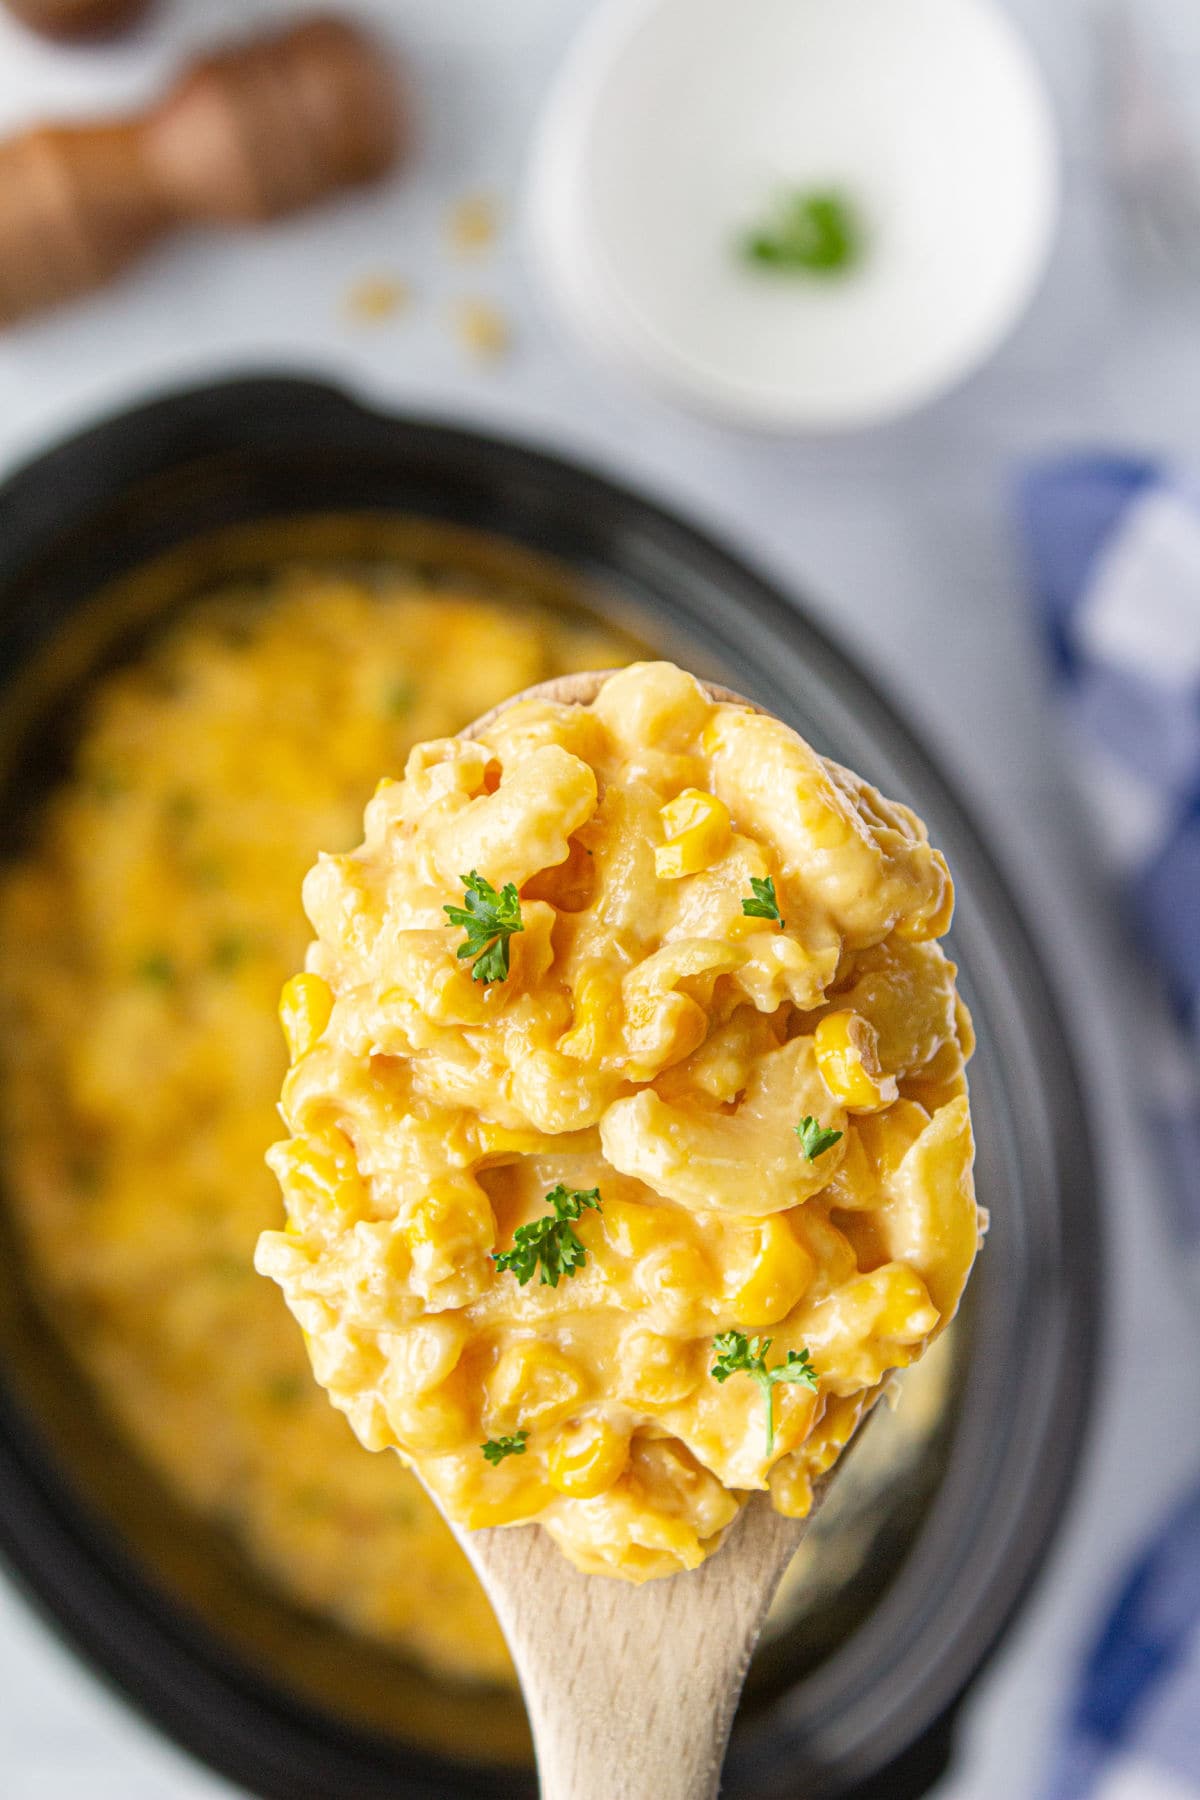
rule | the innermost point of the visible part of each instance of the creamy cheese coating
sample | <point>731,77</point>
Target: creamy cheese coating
<point>770,1113</point>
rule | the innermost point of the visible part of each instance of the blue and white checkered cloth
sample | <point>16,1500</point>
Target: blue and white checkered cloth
<point>1115,550</point>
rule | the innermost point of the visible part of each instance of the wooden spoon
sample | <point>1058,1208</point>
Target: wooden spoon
<point>631,1691</point>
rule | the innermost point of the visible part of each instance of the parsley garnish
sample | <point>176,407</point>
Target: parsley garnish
<point>550,1240</point>
<point>285,1390</point>
<point>496,1449</point>
<point>399,698</point>
<point>85,1171</point>
<point>815,1138</point>
<point>764,904</point>
<point>157,969</point>
<point>489,920</point>
<point>815,231</point>
<point>107,784</point>
<point>229,951</point>
<point>737,1354</point>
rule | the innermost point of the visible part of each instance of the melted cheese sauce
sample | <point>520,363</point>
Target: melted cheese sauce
<point>657,1044</point>
<point>143,943</point>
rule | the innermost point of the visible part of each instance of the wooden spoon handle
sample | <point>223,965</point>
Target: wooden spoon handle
<point>631,1692</point>
<point>246,134</point>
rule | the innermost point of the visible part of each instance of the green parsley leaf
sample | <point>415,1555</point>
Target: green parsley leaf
<point>399,698</point>
<point>107,784</point>
<point>489,919</point>
<point>737,1354</point>
<point>285,1390</point>
<point>157,969</point>
<point>815,1138</point>
<point>229,952</point>
<point>228,1267</point>
<point>85,1171</point>
<point>496,1449</point>
<point>764,904</point>
<point>813,231</point>
<point>182,808</point>
<point>312,1499</point>
<point>549,1242</point>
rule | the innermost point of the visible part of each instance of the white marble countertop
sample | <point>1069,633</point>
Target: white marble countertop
<point>901,538</point>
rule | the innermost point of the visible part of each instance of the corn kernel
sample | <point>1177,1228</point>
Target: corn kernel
<point>905,1313</point>
<point>887,1138</point>
<point>658,1371</point>
<point>499,1145</point>
<point>847,1051</point>
<point>442,1218</point>
<point>511,1495</point>
<point>796,1409</point>
<point>434,1425</point>
<point>660,1030</point>
<point>696,827</point>
<point>595,1026</point>
<point>448,1232</point>
<point>305,1006</point>
<point>533,1385</point>
<point>776,1278</point>
<point>635,1228</point>
<point>587,1458</point>
<point>791,1488</point>
<point>320,1173</point>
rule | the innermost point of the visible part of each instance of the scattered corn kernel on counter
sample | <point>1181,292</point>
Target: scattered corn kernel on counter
<point>630,1149</point>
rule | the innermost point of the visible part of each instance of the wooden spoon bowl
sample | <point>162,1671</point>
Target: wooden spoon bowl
<point>580,690</point>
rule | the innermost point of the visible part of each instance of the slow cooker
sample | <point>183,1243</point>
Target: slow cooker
<point>103,538</point>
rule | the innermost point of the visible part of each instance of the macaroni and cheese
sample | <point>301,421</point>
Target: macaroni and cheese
<point>144,938</point>
<point>629,1142</point>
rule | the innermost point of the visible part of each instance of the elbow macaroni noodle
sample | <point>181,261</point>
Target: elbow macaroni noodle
<point>656,1043</point>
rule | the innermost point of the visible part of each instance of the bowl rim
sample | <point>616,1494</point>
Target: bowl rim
<point>48,1541</point>
<point>591,301</point>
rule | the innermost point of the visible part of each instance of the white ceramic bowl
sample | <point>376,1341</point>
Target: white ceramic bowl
<point>675,123</point>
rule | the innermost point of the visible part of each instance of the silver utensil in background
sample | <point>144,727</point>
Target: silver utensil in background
<point>1153,156</point>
